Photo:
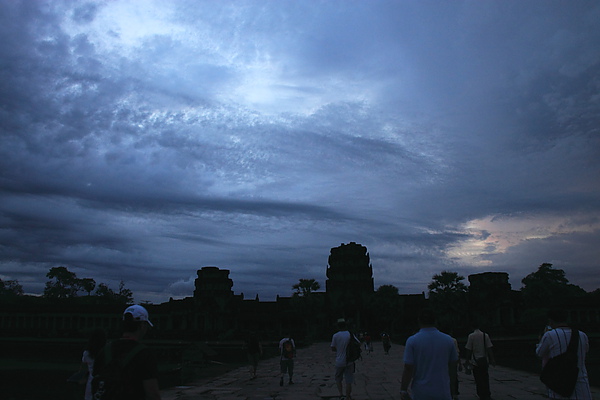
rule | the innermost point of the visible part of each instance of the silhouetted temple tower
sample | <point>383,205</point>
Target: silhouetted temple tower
<point>212,283</point>
<point>216,305</point>
<point>350,281</point>
<point>490,297</point>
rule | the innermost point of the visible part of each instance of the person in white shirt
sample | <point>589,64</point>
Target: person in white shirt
<point>287,353</point>
<point>343,369</point>
<point>480,356</point>
<point>555,342</point>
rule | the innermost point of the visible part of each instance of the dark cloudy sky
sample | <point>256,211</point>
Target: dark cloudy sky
<point>142,140</point>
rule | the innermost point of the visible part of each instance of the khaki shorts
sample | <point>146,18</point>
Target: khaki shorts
<point>346,373</point>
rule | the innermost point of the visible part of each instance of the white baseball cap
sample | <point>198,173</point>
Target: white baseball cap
<point>139,313</point>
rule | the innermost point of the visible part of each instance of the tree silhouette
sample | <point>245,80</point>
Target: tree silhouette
<point>446,284</point>
<point>63,284</point>
<point>387,291</point>
<point>448,297</point>
<point>305,287</point>
<point>547,286</point>
<point>88,285</point>
<point>10,288</point>
<point>105,292</point>
<point>107,295</point>
<point>125,295</point>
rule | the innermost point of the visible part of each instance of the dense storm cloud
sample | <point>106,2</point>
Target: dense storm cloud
<point>143,140</point>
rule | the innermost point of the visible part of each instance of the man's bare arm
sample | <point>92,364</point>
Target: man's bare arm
<point>407,376</point>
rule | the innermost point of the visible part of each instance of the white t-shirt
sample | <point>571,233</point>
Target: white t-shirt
<point>340,341</point>
<point>281,342</point>
<point>475,343</point>
<point>87,359</point>
<point>556,342</point>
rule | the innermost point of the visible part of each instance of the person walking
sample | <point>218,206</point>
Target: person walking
<point>254,351</point>
<point>555,342</point>
<point>480,356</point>
<point>387,343</point>
<point>368,343</point>
<point>287,353</point>
<point>127,363</point>
<point>429,355</point>
<point>343,370</point>
<point>96,342</point>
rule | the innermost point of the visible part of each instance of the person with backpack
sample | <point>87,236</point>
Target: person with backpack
<point>341,342</point>
<point>125,369</point>
<point>557,341</point>
<point>287,351</point>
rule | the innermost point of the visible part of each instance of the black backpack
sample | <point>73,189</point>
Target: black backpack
<point>108,380</point>
<point>353,349</point>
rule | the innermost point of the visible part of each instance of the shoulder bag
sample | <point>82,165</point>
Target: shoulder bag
<point>482,362</point>
<point>560,372</point>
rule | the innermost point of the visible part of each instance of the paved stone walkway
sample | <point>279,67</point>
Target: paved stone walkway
<point>377,378</point>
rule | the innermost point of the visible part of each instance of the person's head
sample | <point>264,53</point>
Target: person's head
<point>342,324</point>
<point>426,317</point>
<point>557,316</point>
<point>136,320</point>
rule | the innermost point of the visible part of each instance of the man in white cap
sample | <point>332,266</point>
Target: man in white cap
<point>344,370</point>
<point>125,368</point>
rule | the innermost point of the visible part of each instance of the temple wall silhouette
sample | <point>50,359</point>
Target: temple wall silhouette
<point>215,312</point>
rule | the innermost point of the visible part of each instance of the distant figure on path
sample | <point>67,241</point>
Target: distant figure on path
<point>254,351</point>
<point>555,342</point>
<point>387,342</point>
<point>96,342</point>
<point>429,356</point>
<point>287,351</point>
<point>480,356</point>
<point>125,368</point>
<point>343,369</point>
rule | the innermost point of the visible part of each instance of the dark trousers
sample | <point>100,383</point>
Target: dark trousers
<point>482,382</point>
<point>287,366</point>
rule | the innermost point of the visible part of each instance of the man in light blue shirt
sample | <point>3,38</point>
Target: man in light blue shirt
<point>428,357</point>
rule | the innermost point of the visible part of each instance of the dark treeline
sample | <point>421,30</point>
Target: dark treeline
<point>488,298</point>
<point>63,284</point>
